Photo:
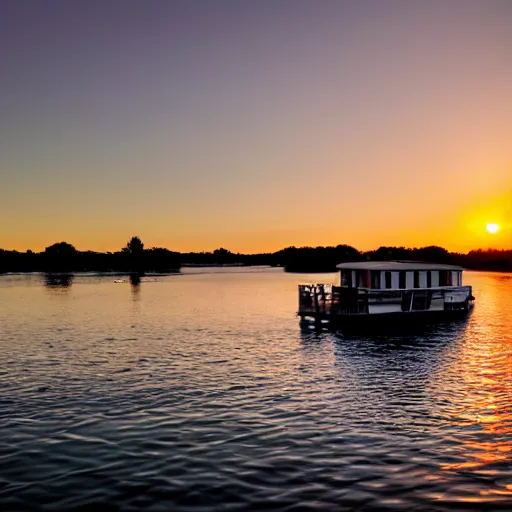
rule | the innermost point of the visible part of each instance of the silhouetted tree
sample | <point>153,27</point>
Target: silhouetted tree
<point>318,259</point>
<point>161,260</point>
<point>434,254</point>
<point>135,250</point>
<point>222,256</point>
<point>61,249</point>
<point>134,246</point>
<point>347,253</point>
<point>60,257</point>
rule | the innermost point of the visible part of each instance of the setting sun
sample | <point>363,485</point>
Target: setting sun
<point>492,228</point>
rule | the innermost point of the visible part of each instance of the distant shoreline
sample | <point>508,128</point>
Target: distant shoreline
<point>94,273</point>
<point>193,265</point>
<point>135,258</point>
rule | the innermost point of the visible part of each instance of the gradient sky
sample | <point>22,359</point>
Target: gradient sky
<point>255,125</point>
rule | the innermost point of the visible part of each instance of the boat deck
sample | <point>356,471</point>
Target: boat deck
<point>325,303</point>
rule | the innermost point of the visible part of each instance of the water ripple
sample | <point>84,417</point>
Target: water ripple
<point>204,394</point>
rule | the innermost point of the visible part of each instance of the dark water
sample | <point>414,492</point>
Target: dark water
<point>200,392</point>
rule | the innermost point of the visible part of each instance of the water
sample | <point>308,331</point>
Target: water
<point>200,392</point>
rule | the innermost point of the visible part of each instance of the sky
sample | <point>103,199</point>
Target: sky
<point>255,125</point>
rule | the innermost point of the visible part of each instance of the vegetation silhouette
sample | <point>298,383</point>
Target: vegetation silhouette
<point>134,258</point>
<point>60,257</point>
<point>134,246</point>
<point>134,252</point>
<point>318,259</point>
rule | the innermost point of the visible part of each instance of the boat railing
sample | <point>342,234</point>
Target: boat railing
<point>327,299</point>
<point>315,298</point>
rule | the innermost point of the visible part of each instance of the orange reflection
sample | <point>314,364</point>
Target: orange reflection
<point>478,387</point>
<point>483,408</point>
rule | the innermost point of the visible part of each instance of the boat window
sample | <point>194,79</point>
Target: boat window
<point>416,279</point>
<point>375,279</point>
<point>443,278</point>
<point>363,278</point>
<point>346,278</point>
<point>388,280</point>
<point>401,280</point>
<point>429,279</point>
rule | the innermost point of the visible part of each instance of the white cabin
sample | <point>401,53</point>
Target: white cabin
<point>420,286</point>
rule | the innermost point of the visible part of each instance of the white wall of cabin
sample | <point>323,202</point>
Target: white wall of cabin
<point>375,309</point>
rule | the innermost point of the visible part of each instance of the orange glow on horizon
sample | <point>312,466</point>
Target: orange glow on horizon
<point>460,228</point>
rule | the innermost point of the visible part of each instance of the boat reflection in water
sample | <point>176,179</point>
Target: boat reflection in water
<point>58,280</point>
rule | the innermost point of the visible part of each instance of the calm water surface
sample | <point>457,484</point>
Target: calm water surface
<point>200,392</point>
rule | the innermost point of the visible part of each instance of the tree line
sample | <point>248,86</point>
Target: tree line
<point>63,257</point>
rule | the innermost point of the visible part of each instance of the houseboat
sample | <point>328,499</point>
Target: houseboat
<point>373,292</point>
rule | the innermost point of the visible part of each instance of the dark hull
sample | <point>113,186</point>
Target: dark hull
<point>383,322</point>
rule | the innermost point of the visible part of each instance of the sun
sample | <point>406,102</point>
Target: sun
<point>492,228</point>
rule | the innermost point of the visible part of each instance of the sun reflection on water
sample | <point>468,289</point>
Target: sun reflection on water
<point>477,390</point>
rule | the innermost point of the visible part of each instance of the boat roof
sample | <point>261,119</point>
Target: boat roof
<point>396,265</point>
